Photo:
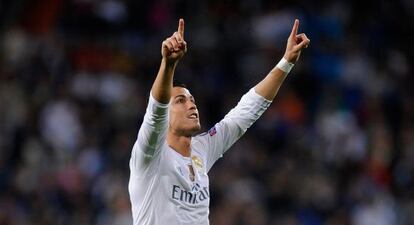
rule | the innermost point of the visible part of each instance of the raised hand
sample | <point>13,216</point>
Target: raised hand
<point>174,47</point>
<point>296,42</point>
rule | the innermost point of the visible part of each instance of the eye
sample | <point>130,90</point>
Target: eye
<point>193,100</point>
<point>180,100</point>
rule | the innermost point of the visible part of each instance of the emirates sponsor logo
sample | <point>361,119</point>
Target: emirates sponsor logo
<point>198,194</point>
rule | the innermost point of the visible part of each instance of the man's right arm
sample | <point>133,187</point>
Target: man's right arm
<point>172,50</point>
<point>155,124</point>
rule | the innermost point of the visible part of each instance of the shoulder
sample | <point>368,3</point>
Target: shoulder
<point>198,139</point>
<point>199,143</point>
<point>205,135</point>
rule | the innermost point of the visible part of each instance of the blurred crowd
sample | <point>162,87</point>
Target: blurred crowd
<point>335,148</point>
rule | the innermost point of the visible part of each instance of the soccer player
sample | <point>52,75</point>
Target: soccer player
<point>169,163</point>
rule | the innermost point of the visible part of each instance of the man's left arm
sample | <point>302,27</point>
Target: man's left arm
<point>252,105</point>
<point>270,85</point>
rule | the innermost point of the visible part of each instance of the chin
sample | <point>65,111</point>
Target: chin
<point>189,129</point>
<point>193,130</point>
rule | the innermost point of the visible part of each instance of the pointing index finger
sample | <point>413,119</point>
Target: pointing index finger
<point>295,28</point>
<point>181,27</point>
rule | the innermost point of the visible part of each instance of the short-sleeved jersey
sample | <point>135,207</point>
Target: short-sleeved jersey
<point>160,186</point>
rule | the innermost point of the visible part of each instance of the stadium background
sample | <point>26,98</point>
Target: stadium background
<point>335,148</point>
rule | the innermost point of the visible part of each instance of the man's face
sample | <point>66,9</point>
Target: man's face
<point>184,119</point>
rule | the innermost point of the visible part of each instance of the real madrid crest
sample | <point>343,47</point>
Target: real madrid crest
<point>197,162</point>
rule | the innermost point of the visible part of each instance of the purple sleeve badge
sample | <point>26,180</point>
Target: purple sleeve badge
<point>212,131</point>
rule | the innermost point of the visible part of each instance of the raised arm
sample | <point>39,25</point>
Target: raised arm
<point>172,50</point>
<point>270,85</point>
<point>153,130</point>
<point>253,104</point>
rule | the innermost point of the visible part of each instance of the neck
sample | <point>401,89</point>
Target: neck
<point>180,144</point>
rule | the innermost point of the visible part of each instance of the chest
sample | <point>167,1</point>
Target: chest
<point>184,170</point>
<point>184,179</point>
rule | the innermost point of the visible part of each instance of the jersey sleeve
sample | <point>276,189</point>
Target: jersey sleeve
<point>226,132</point>
<point>152,133</point>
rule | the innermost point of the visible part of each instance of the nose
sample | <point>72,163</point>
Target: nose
<point>192,105</point>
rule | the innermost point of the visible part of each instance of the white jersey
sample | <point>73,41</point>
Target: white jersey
<point>160,187</point>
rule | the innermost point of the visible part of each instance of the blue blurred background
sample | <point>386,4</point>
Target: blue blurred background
<point>335,148</point>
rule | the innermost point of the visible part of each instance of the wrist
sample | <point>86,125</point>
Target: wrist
<point>171,63</point>
<point>289,58</point>
<point>285,65</point>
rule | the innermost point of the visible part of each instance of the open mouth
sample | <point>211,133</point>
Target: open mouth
<point>193,116</point>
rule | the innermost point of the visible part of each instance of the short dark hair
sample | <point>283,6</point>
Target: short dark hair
<point>178,84</point>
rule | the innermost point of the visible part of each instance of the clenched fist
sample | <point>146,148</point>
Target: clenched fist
<point>174,47</point>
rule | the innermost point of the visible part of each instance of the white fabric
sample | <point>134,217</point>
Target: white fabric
<point>160,188</point>
<point>284,65</point>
